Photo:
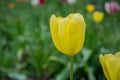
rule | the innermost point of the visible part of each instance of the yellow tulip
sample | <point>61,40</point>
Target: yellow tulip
<point>98,16</point>
<point>68,33</point>
<point>90,8</point>
<point>111,65</point>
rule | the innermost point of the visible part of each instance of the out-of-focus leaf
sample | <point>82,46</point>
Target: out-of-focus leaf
<point>64,74</point>
<point>17,76</point>
<point>86,53</point>
<point>91,73</point>
<point>58,60</point>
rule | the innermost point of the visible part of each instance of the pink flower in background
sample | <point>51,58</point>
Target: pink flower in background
<point>111,7</point>
<point>71,1</point>
<point>41,1</point>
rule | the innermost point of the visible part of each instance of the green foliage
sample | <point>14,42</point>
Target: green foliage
<point>27,51</point>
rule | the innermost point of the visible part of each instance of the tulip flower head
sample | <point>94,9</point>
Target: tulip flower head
<point>90,8</point>
<point>111,7</point>
<point>111,65</point>
<point>68,33</point>
<point>98,16</point>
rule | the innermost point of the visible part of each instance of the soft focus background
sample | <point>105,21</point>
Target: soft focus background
<point>26,48</point>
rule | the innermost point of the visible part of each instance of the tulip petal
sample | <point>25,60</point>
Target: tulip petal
<point>107,7</point>
<point>118,74</point>
<point>106,72</point>
<point>70,16</point>
<point>113,65</point>
<point>54,32</point>
<point>64,35</point>
<point>106,56</point>
<point>118,71</point>
<point>117,54</point>
<point>76,33</point>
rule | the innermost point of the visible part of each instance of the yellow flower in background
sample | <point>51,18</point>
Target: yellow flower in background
<point>90,8</point>
<point>98,16</point>
<point>11,5</point>
<point>68,33</point>
<point>111,65</point>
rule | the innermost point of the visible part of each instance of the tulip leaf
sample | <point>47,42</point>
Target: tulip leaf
<point>86,55</point>
<point>17,76</point>
<point>91,73</point>
<point>58,59</point>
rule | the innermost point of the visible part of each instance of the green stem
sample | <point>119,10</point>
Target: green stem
<point>71,69</point>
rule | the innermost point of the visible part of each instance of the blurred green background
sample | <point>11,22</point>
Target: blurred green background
<point>26,48</point>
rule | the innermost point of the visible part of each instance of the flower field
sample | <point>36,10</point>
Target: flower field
<point>27,50</point>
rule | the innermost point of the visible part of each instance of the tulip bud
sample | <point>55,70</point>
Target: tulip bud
<point>111,7</point>
<point>98,16</point>
<point>68,33</point>
<point>90,8</point>
<point>111,65</point>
